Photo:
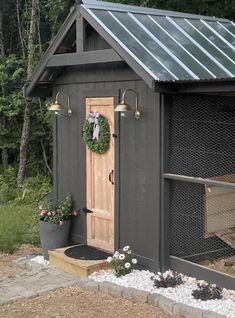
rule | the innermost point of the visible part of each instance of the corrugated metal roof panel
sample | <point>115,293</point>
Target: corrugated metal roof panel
<point>169,46</point>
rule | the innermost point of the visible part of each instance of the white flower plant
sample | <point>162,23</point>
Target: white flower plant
<point>122,262</point>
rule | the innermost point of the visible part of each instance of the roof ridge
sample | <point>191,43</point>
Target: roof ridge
<point>94,4</point>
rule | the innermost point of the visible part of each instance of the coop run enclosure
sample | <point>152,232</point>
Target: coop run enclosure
<point>202,145</point>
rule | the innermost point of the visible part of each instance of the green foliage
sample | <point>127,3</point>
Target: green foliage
<point>218,8</point>
<point>19,218</point>
<point>102,144</point>
<point>8,191</point>
<point>32,189</point>
<point>57,212</point>
<point>19,225</point>
<point>122,261</point>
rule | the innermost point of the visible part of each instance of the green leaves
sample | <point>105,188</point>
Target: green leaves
<point>102,144</point>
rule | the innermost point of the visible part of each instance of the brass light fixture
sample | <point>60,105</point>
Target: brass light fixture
<point>56,106</point>
<point>124,107</point>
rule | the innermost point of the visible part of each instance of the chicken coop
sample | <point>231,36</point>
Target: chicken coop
<point>166,184</point>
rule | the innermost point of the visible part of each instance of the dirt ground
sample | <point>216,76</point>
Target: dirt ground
<point>225,265</point>
<point>6,268</point>
<point>72,302</point>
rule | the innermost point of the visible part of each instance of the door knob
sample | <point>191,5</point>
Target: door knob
<point>111,177</point>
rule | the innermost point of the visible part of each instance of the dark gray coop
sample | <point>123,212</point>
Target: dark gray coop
<point>165,185</point>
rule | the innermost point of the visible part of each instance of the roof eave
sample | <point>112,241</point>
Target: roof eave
<point>40,68</point>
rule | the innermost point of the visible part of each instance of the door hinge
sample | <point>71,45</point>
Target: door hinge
<point>85,210</point>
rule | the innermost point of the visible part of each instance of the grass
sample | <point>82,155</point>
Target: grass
<point>19,225</point>
<point>18,209</point>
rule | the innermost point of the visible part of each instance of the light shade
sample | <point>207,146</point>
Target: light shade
<point>124,107</point>
<point>56,107</point>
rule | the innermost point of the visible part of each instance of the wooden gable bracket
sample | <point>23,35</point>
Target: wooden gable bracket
<point>84,58</point>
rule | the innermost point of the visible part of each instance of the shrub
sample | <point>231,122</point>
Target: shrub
<point>57,212</point>
<point>33,189</point>
<point>8,191</point>
<point>122,261</point>
<point>169,278</point>
<point>206,291</point>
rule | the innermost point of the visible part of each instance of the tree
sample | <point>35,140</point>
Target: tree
<point>27,112</point>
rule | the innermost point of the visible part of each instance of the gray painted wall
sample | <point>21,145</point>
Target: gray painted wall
<point>137,156</point>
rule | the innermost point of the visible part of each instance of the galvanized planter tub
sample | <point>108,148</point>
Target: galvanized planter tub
<point>53,236</point>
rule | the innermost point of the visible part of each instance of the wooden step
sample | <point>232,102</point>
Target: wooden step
<point>227,236</point>
<point>81,268</point>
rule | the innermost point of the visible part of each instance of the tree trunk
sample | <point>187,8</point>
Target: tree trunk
<point>27,111</point>
<point>4,158</point>
<point>2,50</point>
<point>19,28</point>
<point>24,144</point>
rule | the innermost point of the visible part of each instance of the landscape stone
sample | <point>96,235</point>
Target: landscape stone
<point>153,299</point>
<point>166,303</point>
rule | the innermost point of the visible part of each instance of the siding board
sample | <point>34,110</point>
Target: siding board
<point>137,161</point>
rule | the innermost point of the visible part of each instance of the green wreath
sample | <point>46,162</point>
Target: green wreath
<point>101,144</point>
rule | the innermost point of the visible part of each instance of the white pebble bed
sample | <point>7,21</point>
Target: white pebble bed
<point>40,260</point>
<point>182,293</point>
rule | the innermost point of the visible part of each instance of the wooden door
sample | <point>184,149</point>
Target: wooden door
<point>100,183</point>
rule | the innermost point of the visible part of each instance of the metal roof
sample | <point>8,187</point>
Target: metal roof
<point>169,46</point>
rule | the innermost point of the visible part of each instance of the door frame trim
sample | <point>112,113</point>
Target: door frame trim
<point>115,93</point>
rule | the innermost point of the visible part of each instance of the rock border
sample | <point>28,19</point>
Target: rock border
<point>152,299</point>
<point>133,294</point>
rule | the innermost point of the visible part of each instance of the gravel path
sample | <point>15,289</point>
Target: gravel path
<point>67,302</point>
<point>74,302</point>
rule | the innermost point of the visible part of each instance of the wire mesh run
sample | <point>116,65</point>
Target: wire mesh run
<point>202,144</point>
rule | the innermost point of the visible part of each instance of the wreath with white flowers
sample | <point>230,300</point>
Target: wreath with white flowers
<point>96,132</point>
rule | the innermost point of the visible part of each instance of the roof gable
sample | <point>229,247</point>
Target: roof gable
<point>169,46</point>
<point>160,46</point>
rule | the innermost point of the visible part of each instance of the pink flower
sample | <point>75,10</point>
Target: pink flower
<point>49,213</point>
<point>61,222</point>
<point>74,213</point>
<point>42,213</point>
<point>53,213</point>
<point>40,207</point>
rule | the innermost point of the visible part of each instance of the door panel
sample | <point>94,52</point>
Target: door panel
<point>100,188</point>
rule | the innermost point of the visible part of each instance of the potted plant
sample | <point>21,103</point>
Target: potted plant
<point>54,223</point>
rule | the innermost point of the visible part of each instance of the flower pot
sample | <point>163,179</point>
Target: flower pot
<point>53,236</point>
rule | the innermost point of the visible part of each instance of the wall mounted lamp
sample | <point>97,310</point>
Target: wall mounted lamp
<point>124,107</point>
<point>56,106</point>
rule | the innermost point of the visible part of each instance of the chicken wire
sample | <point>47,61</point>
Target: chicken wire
<point>202,144</point>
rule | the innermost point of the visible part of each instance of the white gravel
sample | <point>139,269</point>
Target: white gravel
<point>182,293</point>
<point>40,260</point>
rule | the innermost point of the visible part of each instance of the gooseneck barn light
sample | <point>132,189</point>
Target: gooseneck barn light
<point>56,106</point>
<point>124,107</point>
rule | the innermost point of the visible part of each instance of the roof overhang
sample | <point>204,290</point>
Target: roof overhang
<point>213,70</point>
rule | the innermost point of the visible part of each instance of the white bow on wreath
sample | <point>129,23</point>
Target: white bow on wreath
<point>93,119</point>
